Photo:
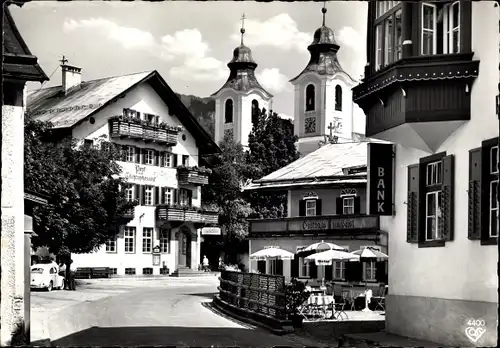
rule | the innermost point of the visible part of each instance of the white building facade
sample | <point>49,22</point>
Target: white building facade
<point>162,149</point>
<point>433,95</point>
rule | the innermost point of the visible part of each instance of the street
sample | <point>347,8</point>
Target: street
<point>129,312</point>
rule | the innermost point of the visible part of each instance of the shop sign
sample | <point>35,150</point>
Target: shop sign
<point>210,231</point>
<point>380,178</point>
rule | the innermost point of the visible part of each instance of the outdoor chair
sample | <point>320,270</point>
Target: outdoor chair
<point>347,299</point>
<point>380,297</point>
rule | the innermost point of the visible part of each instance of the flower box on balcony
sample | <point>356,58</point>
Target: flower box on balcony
<point>122,126</point>
<point>193,175</point>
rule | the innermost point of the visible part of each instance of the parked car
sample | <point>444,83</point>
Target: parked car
<point>46,276</point>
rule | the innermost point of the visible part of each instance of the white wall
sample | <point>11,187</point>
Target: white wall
<point>463,269</point>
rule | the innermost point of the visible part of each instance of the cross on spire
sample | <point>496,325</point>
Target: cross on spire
<point>63,60</point>
<point>323,10</point>
<point>242,30</point>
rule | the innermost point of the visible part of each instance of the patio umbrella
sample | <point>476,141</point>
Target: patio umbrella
<point>321,246</point>
<point>325,258</point>
<point>370,254</point>
<point>272,253</point>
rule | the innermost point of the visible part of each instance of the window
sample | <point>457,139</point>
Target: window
<point>369,271</point>
<point>149,157</point>
<point>168,159</point>
<point>88,143</point>
<point>338,270</point>
<point>430,201</point>
<point>185,160</point>
<point>310,98</point>
<point>130,153</point>
<point>111,245</point>
<point>167,198</point>
<point>348,205</point>
<point>164,240</point>
<point>148,195</point>
<point>255,111</point>
<point>113,271</point>
<point>147,271</point>
<point>440,28</point>
<point>130,271</point>
<point>184,197</point>
<point>338,98</point>
<point>388,33</point>
<point>153,119</point>
<point>147,239</point>
<point>228,112</point>
<point>310,207</point>
<point>276,267</point>
<point>493,192</point>
<point>304,268</point>
<point>129,236</point>
<point>129,192</point>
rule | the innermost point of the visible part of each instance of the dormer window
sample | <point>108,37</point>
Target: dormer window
<point>440,28</point>
<point>228,111</point>
<point>388,33</point>
<point>338,98</point>
<point>310,98</point>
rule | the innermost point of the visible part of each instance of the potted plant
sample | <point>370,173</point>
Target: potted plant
<point>295,295</point>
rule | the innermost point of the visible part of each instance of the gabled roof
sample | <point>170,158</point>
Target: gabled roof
<point>18,61</point>
<point>324,166</point>
<point>80,102</point>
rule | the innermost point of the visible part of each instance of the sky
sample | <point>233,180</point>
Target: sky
<point>189,43</point>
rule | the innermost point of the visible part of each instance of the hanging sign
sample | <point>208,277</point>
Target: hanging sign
<point>380,179</point>
<point>210,231</point>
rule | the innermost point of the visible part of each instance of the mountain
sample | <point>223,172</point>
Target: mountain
<point>203,109</point>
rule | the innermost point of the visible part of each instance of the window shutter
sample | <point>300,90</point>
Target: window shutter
<point>190,197</point>
<point>179,159</point>
<point>474,192</point>
<point>157,195</point>
<point>174,157</point>
<point>175,196</point>
<point>261,266</point>
<point>143,194</point>
<point>302,207</point>
<point>412,227</point>
<point>380,274</point>
<point>353,271</point>
<point>339,206</point>
<point>141,156</point>
<point>137,193</point>
<point>294,267</point>
<point>157,158</point>
<point>138,154</point>
<point>328,272</point>
<point>357,205</point>
<point>123,152</point>
<point>318,207</point>
<point>162,195</point>
<point>279,267</point>
<point>446,220</point>
<point>162,159</point>
<point>313,270</point>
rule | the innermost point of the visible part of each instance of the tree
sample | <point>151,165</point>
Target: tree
<point>83,183</point>
<point>271,147</point>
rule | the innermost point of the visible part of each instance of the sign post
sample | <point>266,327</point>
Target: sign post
<point>380,179</point>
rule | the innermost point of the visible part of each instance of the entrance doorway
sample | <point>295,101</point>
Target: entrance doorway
<point>184,252</point>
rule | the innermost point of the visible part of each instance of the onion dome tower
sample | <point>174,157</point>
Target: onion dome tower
<point>238,100</point>
<point>323,97</point>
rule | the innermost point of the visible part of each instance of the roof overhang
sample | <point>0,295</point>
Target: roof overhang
<point>295,184</point>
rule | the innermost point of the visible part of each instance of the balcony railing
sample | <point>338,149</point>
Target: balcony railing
<point>326,224</point>
<point>187,214</point>
<point>121,127</point>
<point>193,175</point>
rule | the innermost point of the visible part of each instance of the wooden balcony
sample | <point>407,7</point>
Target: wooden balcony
<point>121,127</point>
<point>325,225</point>
<point>193,175</point>
<point>418,101</point>
<point>187,214</point>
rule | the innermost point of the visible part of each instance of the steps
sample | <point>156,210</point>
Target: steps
<point>188,272</point>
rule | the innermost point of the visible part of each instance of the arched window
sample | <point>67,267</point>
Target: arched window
<point>228,113</point>
<point>338,98</point>
<point>255,111</point>
<point>310,98</point>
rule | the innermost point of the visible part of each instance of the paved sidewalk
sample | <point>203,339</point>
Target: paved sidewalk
<point>386,339</point>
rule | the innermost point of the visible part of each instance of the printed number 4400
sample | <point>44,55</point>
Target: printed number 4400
<point>476,322</point>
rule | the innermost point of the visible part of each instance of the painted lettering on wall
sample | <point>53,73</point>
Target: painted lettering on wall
<point>315,225</point>
<point>343,224</point>
<point>380,179</point>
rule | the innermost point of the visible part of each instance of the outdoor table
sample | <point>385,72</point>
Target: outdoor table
<point>317,305</point>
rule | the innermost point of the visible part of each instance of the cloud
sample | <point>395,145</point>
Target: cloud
<point>352,40</point>
<point>185,47</point>
<point>273,80</point>
<point>280,31</point>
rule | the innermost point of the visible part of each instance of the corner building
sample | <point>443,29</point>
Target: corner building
<point>430,87</point>
<point>163,149</point>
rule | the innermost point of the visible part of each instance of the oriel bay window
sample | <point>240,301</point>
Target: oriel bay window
<point>440,27</point>
<point>483,199</point>
<point>388,33</point>
<point>430,201</point>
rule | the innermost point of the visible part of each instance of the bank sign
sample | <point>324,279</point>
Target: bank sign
<point>380,179</point>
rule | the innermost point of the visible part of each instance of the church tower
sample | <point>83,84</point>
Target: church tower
<point>237,101</point>
<point>323,97</point>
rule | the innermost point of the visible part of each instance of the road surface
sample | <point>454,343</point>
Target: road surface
<point>164,312</point>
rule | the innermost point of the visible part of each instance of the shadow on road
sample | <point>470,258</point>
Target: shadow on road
<point>209,295</point>
<point>172,336</point>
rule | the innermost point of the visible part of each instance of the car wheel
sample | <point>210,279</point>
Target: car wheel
<point>49,288</point>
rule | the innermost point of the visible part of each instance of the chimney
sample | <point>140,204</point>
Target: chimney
<point>71,75</point>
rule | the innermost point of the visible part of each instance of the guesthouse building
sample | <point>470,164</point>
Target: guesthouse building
<point>430,86</point>
<point>163,156</point>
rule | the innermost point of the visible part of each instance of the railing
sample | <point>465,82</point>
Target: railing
<point>186,214</point>
<point>262,294</point>
<point>187,176</point>
<point>122,128</point>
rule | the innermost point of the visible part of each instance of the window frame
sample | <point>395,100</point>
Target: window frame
<point>434,28</point>
<point>149,269</point>
<point>344,199</point>
<point>306,207</point>
<point>132,272</point>
<point>129,233</point>
<point>129,192</point>
<point>147,240</point>
<point>492,176</point>
<point>304,267</point>
<point>451,27</point>
<point>130,154</point>
<point>149,154</point>
<point>379,24</point>
<point>164,240</point>
<point>168,195</point>
<point>432,187</point>
<point>338,97</point>
<point>111,246</point>
<point>372,266</point>
<point>310,107</point>
<point>149,190</point>
<point>228,120</point>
